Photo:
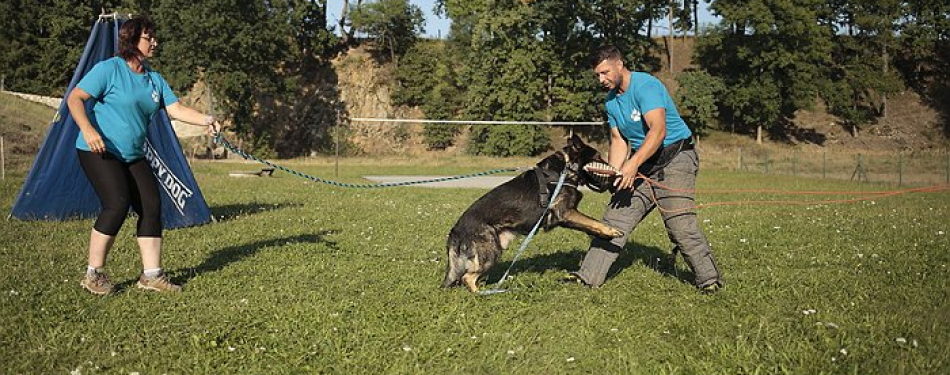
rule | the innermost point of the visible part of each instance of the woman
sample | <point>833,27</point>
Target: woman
<point>127,93</point>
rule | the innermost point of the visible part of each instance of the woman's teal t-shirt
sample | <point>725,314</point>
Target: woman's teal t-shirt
<point>124,103</point>
<point>646,93</point>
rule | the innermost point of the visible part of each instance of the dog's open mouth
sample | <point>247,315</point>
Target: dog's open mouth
<point>601,175</point>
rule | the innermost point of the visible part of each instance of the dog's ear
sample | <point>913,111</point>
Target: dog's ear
<point>575,142</point>
<point>554,162</point>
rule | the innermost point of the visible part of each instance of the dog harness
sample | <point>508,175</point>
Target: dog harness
<point>547,178</point>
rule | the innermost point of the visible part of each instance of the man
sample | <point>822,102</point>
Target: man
<point>644,122</point>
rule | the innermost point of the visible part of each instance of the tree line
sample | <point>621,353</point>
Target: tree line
<point>512,60</point>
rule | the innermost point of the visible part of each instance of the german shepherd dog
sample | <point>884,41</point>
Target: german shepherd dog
<point>487,227</point>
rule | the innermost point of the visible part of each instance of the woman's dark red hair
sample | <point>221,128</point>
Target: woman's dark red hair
<point>129,35</point>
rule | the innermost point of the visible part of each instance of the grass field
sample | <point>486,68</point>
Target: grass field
<point>296,277</point>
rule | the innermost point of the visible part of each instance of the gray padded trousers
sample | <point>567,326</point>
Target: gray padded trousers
<point>627,208</point>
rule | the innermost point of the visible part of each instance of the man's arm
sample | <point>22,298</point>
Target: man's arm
<point>655,121</point>
<point>619,149</point>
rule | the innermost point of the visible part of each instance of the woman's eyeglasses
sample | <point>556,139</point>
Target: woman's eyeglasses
<point>150,39</point>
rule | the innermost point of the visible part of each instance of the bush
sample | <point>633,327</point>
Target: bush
<point>508,140</point>
<point>696,98</point>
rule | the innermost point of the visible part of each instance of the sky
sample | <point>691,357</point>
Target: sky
<point>436,26</point>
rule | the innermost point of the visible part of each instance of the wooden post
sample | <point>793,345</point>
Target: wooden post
<point>900,168</point>
<point>669,45</point>
<point>859,170</point>
<point>823,158</point>
<point>336,172</point>
<point>739,167</point>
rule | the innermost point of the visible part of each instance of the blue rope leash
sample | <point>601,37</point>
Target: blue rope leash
<point>527,239</point>
<point>219,139</point>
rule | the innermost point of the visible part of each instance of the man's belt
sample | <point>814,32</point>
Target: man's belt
<point>665,155</point>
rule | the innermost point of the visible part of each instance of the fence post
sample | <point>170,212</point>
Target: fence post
<point>739,166</point>
<point>3,161</point>
<point>336,172</point>
<point>859,170</point>
<point>824,154</point>
<point>900,168</point>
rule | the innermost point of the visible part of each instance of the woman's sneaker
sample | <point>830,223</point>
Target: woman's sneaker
<point>159,283</point>
<point>97,283</point>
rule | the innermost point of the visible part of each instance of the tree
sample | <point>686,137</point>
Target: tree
<point>696,98</point>
<point>770,55</point>
<point>860,72</point>
<point>924,57</point>
<point>41,42</point>
<point>426,78</point>
<point>395,24</point>
<point>525,61</point>
<point>260,60</point>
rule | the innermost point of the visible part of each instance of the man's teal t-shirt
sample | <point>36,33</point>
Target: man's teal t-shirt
<point>125,102</point>
<point>645,93</point>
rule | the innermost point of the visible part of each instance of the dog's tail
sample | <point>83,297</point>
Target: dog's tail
<point>456,266</point>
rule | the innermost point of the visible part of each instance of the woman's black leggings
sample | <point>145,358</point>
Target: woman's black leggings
<point>119,185</point>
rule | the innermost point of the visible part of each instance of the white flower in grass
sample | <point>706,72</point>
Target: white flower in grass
<point>940,232</point>
<point>406,348</point>
<point>809,311</point>
<point>570,359</point>
<point>743,240</point>
<point>134,373</point>
<point>914,343</point>
<point>511,352</point>
<point>901,340</point>
<point>77,371</point>
<point>231,348</point>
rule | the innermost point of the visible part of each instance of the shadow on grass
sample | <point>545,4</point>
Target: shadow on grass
<point>564,261</point>
<point>231,211</point>
<point>222,258</point>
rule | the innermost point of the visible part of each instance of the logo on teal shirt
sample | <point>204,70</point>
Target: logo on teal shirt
<point>635,115</point>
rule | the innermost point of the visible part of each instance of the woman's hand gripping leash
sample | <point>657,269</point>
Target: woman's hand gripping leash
<point>214,127</point>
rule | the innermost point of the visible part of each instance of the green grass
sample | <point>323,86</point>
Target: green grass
<point>23,125</point>
<point>297,277</point>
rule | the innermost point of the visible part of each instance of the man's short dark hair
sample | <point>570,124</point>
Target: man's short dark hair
<point>605,53</point>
